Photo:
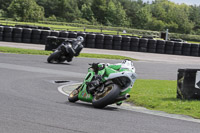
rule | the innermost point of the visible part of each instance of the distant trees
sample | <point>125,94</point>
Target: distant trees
<point>158,15</point>
<point>25,10</point>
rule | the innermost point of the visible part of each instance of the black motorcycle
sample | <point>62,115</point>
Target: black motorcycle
<point>66,51</point>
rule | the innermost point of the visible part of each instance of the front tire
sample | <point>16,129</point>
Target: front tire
<point>73,96</point>
<point>53,58</point>
<point>108,96</point>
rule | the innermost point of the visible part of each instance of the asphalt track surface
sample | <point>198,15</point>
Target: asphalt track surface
<point>31,103</point>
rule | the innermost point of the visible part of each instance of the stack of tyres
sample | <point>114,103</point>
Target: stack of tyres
<point>90,40</point>
<point>26,35</point>
<point>169,47</point>
<point>17,34</point>
<point>186,49</point>
<point>44,35</point>
<point>64,34</point>
<point>178,48</point>
<point>199,49</point>
<point>83,34</point>
<point>72,35</point>
<point>35,36</point>
<point>99,42</point>
<point>188,84</point>
<point>160,46</point>
<point>60,40</point>
<point>143,44</point>
<point>108,41</point>
<point>194,50</point>
<point>151,45</point>
<point>51,43</point>
<point>1,33</point>
<point>126,43</point>
<point>134,44</point>
<point>7,34</point>
<point>55,33</point>
<point>117,42</point>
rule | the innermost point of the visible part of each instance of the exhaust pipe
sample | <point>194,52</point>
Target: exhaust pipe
<point>121,98</point>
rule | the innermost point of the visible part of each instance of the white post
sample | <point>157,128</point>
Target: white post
<point>167,32</point>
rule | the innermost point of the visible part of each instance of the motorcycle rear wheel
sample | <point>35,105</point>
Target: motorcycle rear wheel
<point>108,96</point>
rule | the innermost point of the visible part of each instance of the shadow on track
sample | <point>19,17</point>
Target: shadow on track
<point>89,105</point>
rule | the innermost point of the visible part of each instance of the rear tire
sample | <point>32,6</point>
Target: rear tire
<point>53,58</point>
<point>108,96</point>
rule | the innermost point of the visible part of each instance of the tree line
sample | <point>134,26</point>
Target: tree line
<point>158,15</point>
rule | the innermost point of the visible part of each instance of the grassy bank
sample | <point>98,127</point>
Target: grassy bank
<point>42,52</point>
<point>161,95</point>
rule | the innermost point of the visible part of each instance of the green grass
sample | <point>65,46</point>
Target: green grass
<point>42,52</point>
<point>161,95</point>
<point>64,27</point>
<point>193,42</point>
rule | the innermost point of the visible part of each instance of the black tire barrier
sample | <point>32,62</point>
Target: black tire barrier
<point>90,40</point>
<point>17,39</point>
<point>186,49</point>
<point>108,40</point>
<point>64,34</point>
<point>134,44</point>
<point>7,34</point>
<point>26,35</point>
<point>177,48</point>
<point>51,43</point>
<point>8,29</point>
<point>194,49</point>
<point>17,30</point>
<point>8,39</point>
<point>99,42</point>
<point>36,32</point>
<point>151,46</point>
<point>1,28</point>
<point>55,33</point>
<point>27,31</point>
<point>44,35</point>
<point>35,36</point>
<point>126,42</point>
<point>143,44</point>
<point>187,84</point>
<point>169,47</point>
<point>25,40</point>
<point>160,46</point>
<point>39,36</point>
<point>117,42</point>
<point>72,35</point>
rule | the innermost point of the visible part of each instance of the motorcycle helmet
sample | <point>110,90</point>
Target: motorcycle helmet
<point>80,39</point>
<point>127,64</point>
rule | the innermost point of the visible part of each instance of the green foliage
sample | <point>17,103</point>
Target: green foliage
<point>158,15</point>
<point>99,10</point>
<point>25,10</point>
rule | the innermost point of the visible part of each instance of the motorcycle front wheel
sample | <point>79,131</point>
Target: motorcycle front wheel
<point>53,58</point>
<point>108,96</point>
<point>73,96</point>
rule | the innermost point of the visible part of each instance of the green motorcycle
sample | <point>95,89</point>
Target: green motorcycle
<point>106,84</point>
